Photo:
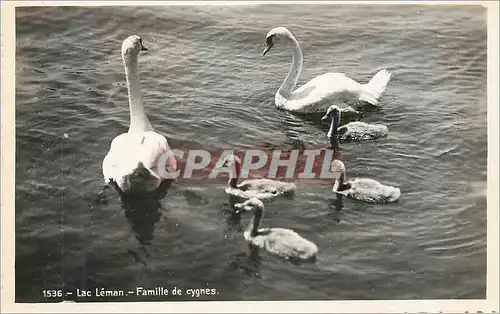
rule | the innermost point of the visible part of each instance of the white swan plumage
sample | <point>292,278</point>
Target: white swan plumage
<point>253,188</point>
<point>352,131</point>
<point>282,242</point>
<point>324,89</point>
<point>131,163</point>
<point>363,189</point>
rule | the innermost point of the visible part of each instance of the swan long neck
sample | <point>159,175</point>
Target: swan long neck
<point>342,177</point>
<point>255,221</point>
<point>138,119</point>
<point>333,129</point>
<point>291,79</point>
<point>332,134</point>
<point>233,180</point>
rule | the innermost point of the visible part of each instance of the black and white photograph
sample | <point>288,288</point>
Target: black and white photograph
<point>255,151</point>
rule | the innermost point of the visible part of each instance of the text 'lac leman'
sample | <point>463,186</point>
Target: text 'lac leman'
<point>140,291</point>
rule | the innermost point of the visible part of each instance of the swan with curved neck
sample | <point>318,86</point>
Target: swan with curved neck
<point>131,164</point>
<point>322,90</point>
<point>362,189</point>
<point>285,243</point>
<point>257,188</point>
<point>352,131</point>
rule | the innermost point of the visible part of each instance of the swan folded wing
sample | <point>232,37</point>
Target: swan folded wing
<point>358,130</point>
<point>154,146</point>
<point>266,186</point>
<point>256,185</point>
<point>326,89</point>
<point>151,145</point>
<point>372,191</point>
<point>121,158</point>
<point>258,241</point>
<point>289,244</point>
<point>249,194</point>
<point>129,149</point>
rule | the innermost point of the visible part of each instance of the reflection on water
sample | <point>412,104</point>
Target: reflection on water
<point>143,212</point>
<point>233,219</point>
<point>142,216</point>
<point>294,123</point>
<point>194,198</point>
<point>336,204</point>
<point>248,263</point>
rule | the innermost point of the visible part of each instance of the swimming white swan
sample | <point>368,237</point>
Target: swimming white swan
<point>363,189</point>
<point>352,131</point>
<point>253,188</point>
<point>131,163</point>
<point>324,89</point>
<point>285,243</point>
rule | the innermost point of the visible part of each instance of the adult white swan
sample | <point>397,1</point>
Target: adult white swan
<point>253,188</point>
<point>132,160</point>
<point>352,131</point>
<point>362,189</point>
<point>285,243</point>
<point>324,89</point>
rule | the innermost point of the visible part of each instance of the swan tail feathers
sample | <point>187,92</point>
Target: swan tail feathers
<point>375,87</point>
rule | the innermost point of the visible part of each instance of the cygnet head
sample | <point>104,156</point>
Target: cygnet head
<point>230,161</point>
<point>337,165</point>
<point>249,205</point>
<point>131,47</point>
<point>334,112</point>
<point>275,36</point>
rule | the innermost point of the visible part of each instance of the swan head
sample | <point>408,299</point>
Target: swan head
<point>249,205</point>
<point>276,36</point>
<point>131,46</point>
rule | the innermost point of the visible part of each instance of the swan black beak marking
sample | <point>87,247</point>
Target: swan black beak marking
<point>269,45</point>
<point>266,50</point>
<point>143,48</point>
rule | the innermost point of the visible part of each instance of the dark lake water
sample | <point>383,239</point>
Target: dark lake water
<point>205,83</point>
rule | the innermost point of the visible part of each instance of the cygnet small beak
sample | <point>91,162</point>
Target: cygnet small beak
<point>239,208</point>
<point>242,207</point>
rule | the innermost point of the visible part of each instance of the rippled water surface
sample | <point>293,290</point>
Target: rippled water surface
<point>205,83</point>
